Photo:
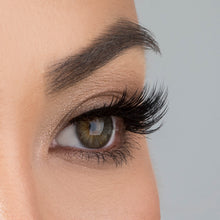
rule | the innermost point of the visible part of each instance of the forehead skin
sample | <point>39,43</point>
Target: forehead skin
<point>33,34</point>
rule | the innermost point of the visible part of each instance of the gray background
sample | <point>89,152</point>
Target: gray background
<point>186,152</point>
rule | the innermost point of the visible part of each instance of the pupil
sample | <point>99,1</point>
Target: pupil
<point>94,133</point>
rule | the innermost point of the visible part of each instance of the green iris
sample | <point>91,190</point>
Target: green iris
<point>94,133</point>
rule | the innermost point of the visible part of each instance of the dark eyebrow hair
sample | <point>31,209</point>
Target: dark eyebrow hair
<point>121,35</point>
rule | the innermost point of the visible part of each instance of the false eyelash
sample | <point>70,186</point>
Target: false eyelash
<point>140,112</point>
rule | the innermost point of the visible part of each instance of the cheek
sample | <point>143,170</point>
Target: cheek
<point>70,191</point>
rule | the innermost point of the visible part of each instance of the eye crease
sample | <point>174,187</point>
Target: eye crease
<point>104,134</point>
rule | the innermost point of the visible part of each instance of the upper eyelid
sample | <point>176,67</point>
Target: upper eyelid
<point>108,106</point>
<point>77,110</point>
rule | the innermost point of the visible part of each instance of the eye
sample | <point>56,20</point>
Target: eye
<point>109,133</point>
<point>90,133</point>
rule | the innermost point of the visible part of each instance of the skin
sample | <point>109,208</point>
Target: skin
<point>33,183</point>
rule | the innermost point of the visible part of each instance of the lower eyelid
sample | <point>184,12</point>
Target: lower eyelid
<point>97,160</point>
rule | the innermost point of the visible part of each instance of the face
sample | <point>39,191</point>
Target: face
<point>56,159</point>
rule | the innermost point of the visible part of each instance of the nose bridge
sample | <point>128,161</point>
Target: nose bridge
<point>20,109</point>
<point>17,186</point>
<point>17,194</point>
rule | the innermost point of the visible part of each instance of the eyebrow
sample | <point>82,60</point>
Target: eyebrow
<point>121,35</point>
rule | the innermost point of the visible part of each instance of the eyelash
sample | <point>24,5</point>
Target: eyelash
<point>140,113</point>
